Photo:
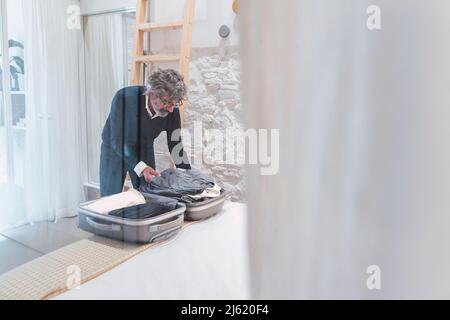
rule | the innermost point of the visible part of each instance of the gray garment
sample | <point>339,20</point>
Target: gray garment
<point>179,184</point>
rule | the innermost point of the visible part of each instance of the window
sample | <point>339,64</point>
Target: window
<point>12,112</point>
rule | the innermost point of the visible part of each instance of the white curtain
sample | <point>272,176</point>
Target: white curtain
<point>364,148</point>
<point>53,184</point>
<point>105,74</point>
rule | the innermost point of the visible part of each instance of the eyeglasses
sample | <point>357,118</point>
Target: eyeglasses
<point>168,103</point>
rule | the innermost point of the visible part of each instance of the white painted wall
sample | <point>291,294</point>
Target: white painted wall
<point>209,16</point>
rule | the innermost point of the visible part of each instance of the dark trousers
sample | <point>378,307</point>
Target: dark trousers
<point>113,171</point>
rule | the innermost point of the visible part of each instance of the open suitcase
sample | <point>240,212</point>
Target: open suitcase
<point>197,211</point>
<point>180,184</point>
<point>154,229</point>
<point>206,209</point>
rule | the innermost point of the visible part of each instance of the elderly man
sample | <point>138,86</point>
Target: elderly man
<point>138,115</point>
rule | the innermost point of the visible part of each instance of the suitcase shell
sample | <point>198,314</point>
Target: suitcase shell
<point>155,229</point>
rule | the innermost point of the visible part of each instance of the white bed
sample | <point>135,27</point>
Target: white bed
<point>208,260</point>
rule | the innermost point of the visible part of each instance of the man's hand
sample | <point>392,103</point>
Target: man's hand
<point>149,173</point>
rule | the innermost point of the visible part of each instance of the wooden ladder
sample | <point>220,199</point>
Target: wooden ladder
<point>143,27</point>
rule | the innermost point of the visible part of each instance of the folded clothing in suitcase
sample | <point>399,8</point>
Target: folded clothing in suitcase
<point>116,201</point>
<point>158,219</point>
<point>202,196</point>
<point>180,184</point>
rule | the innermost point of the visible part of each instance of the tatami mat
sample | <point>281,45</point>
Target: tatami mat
<point>50,275</point>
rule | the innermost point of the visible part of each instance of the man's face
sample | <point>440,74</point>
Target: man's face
<point>163,104</point>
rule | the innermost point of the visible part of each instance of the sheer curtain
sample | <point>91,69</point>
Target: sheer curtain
<point>12,131</point>
<point>53,184</point>
<point>105,74</point>
<point>364,148</point>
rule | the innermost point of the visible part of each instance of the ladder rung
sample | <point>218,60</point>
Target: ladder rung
<point>158,58</point>
<point>151,27</point>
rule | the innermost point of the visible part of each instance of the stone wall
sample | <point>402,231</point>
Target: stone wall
<point>214,99</point>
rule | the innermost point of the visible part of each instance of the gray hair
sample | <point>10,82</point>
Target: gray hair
<point>166,83</point>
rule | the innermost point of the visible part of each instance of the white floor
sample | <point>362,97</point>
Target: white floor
<point>208,260</point>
